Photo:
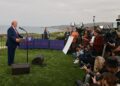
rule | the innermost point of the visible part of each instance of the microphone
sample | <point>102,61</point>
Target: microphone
<point>21,28</point>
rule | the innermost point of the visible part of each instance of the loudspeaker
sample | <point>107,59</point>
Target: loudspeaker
<point>38,60</point>
<point>18,69</point>
<point>78,83</point>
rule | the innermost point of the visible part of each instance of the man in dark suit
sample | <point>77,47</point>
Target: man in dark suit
<point>13,40</point>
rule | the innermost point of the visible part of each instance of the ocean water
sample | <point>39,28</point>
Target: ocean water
<point>38,30</point>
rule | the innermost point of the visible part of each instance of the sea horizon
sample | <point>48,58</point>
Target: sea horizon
<point>30,29</point>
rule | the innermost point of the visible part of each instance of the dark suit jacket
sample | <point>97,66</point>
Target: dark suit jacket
<point>11,38</point>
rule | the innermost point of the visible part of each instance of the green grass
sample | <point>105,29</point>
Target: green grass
<point>60,70</point>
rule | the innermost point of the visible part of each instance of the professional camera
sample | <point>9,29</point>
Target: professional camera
<point>92,74</point>
<point>98,76</point>
<point>109,36</point>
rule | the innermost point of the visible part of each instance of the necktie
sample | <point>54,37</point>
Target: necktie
<point>16,32</point>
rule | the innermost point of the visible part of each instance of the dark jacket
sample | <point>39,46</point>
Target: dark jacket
<point>11,38</point>
<point>98,44</point>
<point>66,35</point>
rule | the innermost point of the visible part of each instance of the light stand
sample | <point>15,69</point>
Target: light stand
<point>94,21</point>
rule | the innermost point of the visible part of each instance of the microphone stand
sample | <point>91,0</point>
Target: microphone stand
<point>26,41</point>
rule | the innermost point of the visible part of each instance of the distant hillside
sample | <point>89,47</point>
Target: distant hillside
<point>104,24</point>
<point>59,27</point>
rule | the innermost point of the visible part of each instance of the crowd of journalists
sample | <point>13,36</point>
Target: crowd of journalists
<point>97,52</point>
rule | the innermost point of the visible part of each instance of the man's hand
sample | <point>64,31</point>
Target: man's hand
<point>91,44</point>
<point>18,40</point>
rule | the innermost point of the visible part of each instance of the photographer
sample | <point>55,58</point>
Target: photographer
<point>86,38</point>
<point>110,44</point>
<point>79,51</point>
<point>107,79</point>
<point>117,46</point>
<point>74,44</point>
<point>101,78</point>
<point>67,34</point>
<point>98,42</point>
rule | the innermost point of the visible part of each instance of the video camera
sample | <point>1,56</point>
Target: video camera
<point>109,36</point>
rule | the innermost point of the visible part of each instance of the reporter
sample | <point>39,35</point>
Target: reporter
<point>97,45</point>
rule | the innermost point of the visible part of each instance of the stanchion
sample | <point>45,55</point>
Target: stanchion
<point>0,44</point>
<point>0,41</point>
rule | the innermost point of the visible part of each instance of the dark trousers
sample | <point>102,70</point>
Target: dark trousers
<point>11,55</point>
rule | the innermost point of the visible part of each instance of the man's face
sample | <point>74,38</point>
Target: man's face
<point>14,24</point>
<point>95,34</point>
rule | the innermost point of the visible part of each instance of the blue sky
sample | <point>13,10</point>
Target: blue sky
<point>57,12</point>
